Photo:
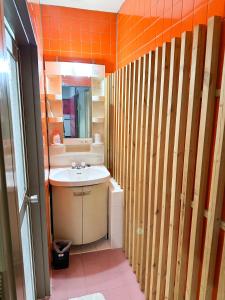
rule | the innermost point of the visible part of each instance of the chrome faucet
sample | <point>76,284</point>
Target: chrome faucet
<point>78,166</point>
<point>73,165</point>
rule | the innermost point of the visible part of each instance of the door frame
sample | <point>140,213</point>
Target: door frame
<point>16,13</point>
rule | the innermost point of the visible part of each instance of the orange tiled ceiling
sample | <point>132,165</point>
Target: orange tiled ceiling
<point>99,5</point>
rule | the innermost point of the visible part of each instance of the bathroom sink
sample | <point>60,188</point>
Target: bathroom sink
<point>79,177</point>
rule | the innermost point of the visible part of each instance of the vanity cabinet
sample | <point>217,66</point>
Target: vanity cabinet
<point>80,213</point>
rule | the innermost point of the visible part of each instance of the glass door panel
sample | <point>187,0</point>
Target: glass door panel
<point>27,257</point>
<point>19,158</point>
<point>17,128</point>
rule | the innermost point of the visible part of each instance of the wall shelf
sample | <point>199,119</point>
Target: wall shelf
<point>98,99</point>
<point>54,100</point>
<point>55,119</point>
<point>98,120</point>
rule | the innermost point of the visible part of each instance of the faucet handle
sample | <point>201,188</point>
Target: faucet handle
<point>73,165</point>
<point>83,164</point>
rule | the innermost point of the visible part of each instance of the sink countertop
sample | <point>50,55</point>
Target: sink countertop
<point>78,177</point>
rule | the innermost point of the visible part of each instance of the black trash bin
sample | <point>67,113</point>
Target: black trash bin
<point>60,254</point>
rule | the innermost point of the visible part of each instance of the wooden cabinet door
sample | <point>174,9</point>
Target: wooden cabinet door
<point>94,212</point>
<point>67,213</point>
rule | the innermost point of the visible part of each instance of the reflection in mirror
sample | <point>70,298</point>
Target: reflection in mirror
<point>77,106</point>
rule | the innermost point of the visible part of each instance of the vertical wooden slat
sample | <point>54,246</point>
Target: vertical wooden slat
<point>168,162</point>
<point>110,121</point>
<point>203,153</point>
<point>159,166</point>
<point>128,155</point>
<point>152,165</point>
<point>116,122</point>
<point>221,286</point>
<point>125,148</point>
<point>132,157</point>
<point>124,136</point>
<point>190,150</point>
<point>150,65</point>
<point>137,161</point>
<point>215,202</point>
<point>142,121</point>
<point>121,129</point>
<point>119,126</point>
<point>106,124</point>
<point>111,125</point>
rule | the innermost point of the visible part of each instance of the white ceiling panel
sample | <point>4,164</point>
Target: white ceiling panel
<point>100,5</point>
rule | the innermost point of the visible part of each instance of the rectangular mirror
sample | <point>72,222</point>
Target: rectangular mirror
<point>77,107</point>
<point>75,98</point>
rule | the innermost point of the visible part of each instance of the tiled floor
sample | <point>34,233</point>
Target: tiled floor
<point>101,244</point>
<point>107,272</point>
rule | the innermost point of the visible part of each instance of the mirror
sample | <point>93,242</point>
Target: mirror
<point>75,98</point>
<point>77,107</point>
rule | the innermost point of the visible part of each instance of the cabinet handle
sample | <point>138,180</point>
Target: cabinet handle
<point>81,193</point>
<point>86,193</point>
<point>78,193</point>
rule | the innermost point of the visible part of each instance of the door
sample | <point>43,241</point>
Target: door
<point>94,212</point>
<point>19,180</point>
<point>67,213</point>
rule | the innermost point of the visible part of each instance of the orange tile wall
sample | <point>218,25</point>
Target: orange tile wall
<point>145,24</point>
<point>79,35</point>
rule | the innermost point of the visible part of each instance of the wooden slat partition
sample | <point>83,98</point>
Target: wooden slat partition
<point>162,118</point>
<point>168,162</point>
<point>203,153</point>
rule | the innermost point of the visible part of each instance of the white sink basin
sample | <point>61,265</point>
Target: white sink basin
<point>79,177</point>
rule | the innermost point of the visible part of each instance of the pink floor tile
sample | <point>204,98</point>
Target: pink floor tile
<point>106,271</point>
<point>108,279</point>
<point>135,293</point>
<point>117,293</point>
